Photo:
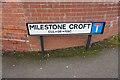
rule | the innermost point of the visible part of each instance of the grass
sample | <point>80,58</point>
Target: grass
<point>68,52</point>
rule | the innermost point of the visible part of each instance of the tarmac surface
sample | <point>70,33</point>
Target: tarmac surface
<point>102,65</point>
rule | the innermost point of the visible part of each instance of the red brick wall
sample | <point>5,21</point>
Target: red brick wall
<point>16,15</point>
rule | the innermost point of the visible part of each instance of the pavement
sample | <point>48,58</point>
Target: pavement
<point>102,65</point>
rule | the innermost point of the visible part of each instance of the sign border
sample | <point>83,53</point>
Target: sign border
<point>102,29</point>
<point>64,34</point>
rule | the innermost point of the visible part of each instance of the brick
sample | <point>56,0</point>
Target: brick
<point>26,5</point>
<point>14,19</point>
<point>64,10</point>
<point>30,10</point>
<point>54,10</point>
<point>46,6</point>
<point>35,6</point>
<point>42,18</point>
<point>70,14</point>
<point>59,14</point>
<point>71,6</point>
<point>12,10</point>
<point>14,27</point>
<point>37,15</point>
<point>76,10</point>
<point>59,6</point>
<point>16,15</point>
<point>12,5</point>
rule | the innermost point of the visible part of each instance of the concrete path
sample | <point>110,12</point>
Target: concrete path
<point>103,65</point>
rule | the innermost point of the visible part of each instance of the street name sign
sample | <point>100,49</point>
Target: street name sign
<point>54,28</point>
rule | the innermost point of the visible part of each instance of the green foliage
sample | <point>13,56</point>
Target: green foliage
<point>68,52</point>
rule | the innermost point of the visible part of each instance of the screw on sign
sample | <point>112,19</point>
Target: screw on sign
<point>97,25</point>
